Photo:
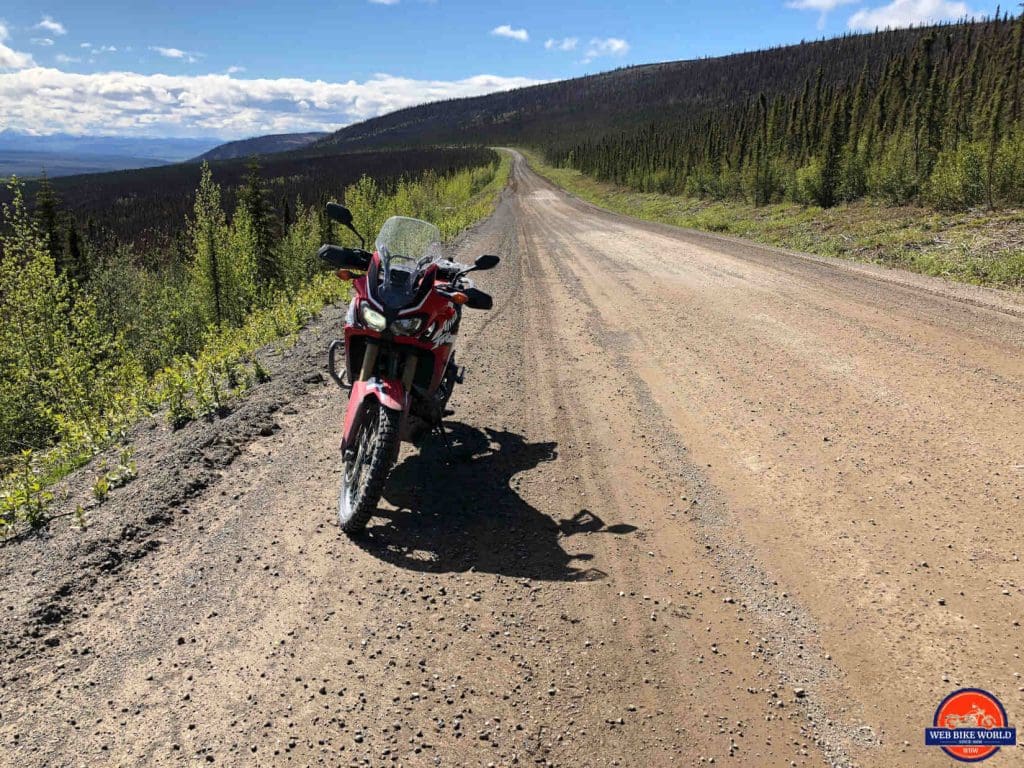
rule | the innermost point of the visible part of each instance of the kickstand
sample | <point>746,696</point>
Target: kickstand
<point>447,444</point>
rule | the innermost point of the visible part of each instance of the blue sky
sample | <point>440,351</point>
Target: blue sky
<point>239,68</point>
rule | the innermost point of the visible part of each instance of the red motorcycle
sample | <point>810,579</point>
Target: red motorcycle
<point>399,349</point>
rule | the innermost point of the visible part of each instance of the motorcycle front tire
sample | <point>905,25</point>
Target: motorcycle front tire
<point>366,471</point>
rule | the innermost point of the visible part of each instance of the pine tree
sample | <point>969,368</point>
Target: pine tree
<point>47,217</point>
<point>917,100</point>
<point>76,266</point>
<point>209,233</point>
<point>33,302</point>
<point>252,199</point>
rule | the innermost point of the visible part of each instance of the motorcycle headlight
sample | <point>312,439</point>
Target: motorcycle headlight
<point>406,326</point>
<point>373,319</point>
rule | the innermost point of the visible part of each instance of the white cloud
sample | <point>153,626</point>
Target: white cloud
<point>822,6</point>
<point>235,70</point>
<point>609,46</point>
<point>106,49</point>
<point>11,59</point>
<point>818,5</point>
<point>170,53</point>
<point>85,45</point>
<point>44,41</point>
<point>384,2</point>
<point>176,53</point>
<point>48,24</point>
<point>506,30</point>
<point>904,13</point>
<point>565,44</point>
<point>65,59</point>
<point>44,100</point>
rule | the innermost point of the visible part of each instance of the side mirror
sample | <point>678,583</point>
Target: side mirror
<point>487,261</point>
<point>339,213</point>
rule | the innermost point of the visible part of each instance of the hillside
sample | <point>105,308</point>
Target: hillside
<point>628,97</point>
<point>261,145</point>
<point>148,207</point>
<point>932,116</point>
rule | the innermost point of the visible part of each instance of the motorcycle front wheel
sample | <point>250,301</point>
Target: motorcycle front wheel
<point>366,469</point>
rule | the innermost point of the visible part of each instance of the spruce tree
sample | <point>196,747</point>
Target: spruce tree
<point>209,249</point>
<point>261,218</point>
<point>47,217</point>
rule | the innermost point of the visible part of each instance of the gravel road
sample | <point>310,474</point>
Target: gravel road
<point>711,503</point>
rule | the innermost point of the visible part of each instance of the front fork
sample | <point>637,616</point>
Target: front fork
<point>369,360</point>
<point>370,363</point>
<point>390,392</point>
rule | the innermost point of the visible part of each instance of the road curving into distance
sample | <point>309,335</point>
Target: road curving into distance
<point>709,500</point>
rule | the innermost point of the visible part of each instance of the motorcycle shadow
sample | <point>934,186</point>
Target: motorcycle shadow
<point>461,514</point>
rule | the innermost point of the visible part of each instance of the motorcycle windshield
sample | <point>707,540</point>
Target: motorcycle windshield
<point>405,247</point>
<point>402,239</point>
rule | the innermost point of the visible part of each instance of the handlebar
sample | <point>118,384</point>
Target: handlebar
<point>451,272</point>
<point>344,258</point>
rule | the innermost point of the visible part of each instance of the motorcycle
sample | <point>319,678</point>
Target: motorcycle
<point>976,718</point>
<point>399,359</point>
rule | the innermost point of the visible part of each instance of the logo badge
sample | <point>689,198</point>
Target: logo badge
<point>970,726</point>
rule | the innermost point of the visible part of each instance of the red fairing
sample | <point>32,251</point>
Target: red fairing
<point>437,311</point>
<point>388,392</point>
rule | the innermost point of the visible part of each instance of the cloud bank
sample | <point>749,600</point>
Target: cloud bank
<point>46,100</point>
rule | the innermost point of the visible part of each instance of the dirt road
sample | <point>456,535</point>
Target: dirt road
<point>711,502</point>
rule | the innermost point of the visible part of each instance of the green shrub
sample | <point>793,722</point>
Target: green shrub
<point>958,179</point>
<point>893,177</point>
<point>808,183</point>
<point>1008,170</point>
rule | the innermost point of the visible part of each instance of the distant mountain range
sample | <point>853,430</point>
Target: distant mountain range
<point>169,150</point>
<point>30,165</point>
<point>61,154</point>
<point>261,145</point>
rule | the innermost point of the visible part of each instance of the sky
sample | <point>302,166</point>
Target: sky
<point>234,69</point>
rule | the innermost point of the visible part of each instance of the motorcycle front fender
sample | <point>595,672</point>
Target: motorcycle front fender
<point>388,392</point>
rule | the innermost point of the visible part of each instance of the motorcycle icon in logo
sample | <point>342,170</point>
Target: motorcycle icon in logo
<point>977,718</point>
<point>970,725</point>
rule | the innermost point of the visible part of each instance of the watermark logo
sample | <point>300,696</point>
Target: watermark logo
<point>970,726</point>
